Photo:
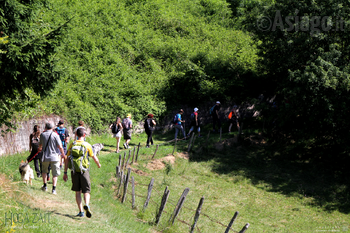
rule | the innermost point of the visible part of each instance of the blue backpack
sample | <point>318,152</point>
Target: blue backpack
<point>175,119</point>
<point>211,111</point>
<point>61,133</point>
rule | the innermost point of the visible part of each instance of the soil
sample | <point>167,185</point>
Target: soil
<point>159,164</point>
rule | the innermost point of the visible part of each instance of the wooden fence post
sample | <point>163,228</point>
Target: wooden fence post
<point>244,228</point>
<point>179,206</point>
<point>198,212</point>
<point>121,181</point>
<point>123,160</point>
<point>155,152</point>
<point>189,144</point>
<point>137,154</point>
<point>174,146</point>
<point>231,222</point>
<point>120,160</point>
<point>150,186</point>
<point>162,204</point>
<point>133,155</point>
<point>133,192</point>
<point>126,185</point>
<point>127,162</point>
<point>117,171</point>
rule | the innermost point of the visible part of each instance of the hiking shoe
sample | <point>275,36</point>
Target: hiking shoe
<point>147,146</point>
<point>88,211</point>
<point>127,147</point>
<point>124,145</point>
<point>44,188</point>
<point>81,214</point>
<point>54,192</point>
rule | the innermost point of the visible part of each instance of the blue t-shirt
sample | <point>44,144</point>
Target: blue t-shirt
<point>177,117</point>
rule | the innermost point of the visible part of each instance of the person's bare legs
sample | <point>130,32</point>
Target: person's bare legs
<point>78,200</point>
<point>118,142</point>
<point>87,198</point>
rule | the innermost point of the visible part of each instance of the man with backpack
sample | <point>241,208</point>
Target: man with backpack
<point>77,160</point>
<point>127,126</point>
<point>64,135</point>
<point>195,123</point>
<point>214,111</point>
<point>233,118</point>
<point>178,123</point>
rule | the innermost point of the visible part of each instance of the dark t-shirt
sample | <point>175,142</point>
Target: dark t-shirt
<point>216,108</point>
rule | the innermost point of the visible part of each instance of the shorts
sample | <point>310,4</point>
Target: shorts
<point>55,167</point>
<point>127,134</point>
<point>81,182</point>
<point>117,135</point>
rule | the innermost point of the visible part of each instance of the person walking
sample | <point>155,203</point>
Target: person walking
<point>80,175</point>
<point>216,117</point>
<point>149,128</point>
<point>81,125</point>
<point>34,148</point>
<point>178,124</point>
<point>48,143</point>
<point>117,129</point>
<point>64,136</point>
<point>127,126</point>
<point>233,118</point>
<point>195,123</point>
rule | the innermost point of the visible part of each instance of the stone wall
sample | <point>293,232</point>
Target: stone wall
<point>18,141</point>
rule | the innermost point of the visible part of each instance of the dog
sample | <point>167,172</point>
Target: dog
<point>96,148</point>
<point>26,172</point>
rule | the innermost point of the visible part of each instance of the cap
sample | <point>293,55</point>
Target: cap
<point>195,109</point>
<point>218,102</point>
<point>129,115</point>
<point>234,106</point>
<point>61,122</point>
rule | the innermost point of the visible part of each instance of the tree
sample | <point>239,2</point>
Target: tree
<point>304,54</point>
<point>27,48</point>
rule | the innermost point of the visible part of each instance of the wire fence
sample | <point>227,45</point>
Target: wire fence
<point>123,174</point>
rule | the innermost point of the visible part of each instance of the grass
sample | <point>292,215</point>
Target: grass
<point>271,193</point>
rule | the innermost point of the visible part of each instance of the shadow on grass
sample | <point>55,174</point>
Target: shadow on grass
<point>285,169</point>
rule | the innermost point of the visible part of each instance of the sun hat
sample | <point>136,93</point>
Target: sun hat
<point>195,109</point>
<point>129,115</point>
<point>218,102</point>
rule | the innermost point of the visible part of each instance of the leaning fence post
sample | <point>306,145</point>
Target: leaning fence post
<point>198,212</point>
<point>155,152</point>
<point>133,192</point>
<point>133,155</point>
<point>126,185</point>
<point>137,154</point>
<point>117,171</point>
<point>174,146</point>
<point>162,204</point>
<point>121,182</point>
<point>150,186</point>
<point>244,228</point>
<point>179,206</point>
<point>127,162</point>
<point>189,144</point>
<point>231,222</point>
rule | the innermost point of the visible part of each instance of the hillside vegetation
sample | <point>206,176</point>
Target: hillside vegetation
<point>142,56</point>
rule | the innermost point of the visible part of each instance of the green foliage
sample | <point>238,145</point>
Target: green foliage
<point>307,67</point>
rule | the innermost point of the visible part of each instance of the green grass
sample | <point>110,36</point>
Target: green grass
<point>272,194</point>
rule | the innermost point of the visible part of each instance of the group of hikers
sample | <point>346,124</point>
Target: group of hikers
<point>50,149</point>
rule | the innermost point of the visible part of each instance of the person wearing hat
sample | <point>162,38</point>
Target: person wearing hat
<point>127,126</point>
<point>233,118</point>
<point>216,118</point>
<point>195,123</point>
<point>178,124</point>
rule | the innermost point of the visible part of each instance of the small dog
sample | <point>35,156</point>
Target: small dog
<point>26,172</point>
<point>96,148</point>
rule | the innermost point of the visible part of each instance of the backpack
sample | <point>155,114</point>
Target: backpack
<point>148,125</point>
<point>78,160</point>
<point>125,123</point>
<point>35,143</point>
<point>175,120</point>
<point>61,133</point>
<point>211,111</point>
<point>115,128</point>
<point>193,118</point>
